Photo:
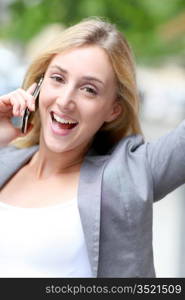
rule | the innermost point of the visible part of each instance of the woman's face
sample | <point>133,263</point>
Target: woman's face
<point>79,87</point>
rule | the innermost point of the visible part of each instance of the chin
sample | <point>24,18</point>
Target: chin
<point>53,146</point>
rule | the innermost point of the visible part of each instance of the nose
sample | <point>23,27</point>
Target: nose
<point>66,98</point>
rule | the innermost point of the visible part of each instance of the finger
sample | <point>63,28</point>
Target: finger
<point>5,107</point>
<point>6,114</point>
<point>31,89</point>
<point>22,103</point>
<point>9,100</point>
<point>5,99</point>
<point>30,101</point>
<point>18,104</point>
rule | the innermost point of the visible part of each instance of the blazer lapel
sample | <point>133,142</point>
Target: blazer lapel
<point>89,202</point>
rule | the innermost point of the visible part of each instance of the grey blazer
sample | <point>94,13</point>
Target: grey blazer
<point>115,196</point>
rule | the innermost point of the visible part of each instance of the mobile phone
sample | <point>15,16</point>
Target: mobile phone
<point>27,113</point>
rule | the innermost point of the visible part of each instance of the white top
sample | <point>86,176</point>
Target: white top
<point>42,242</point>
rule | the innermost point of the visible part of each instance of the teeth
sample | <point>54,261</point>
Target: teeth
<point>61,120</point>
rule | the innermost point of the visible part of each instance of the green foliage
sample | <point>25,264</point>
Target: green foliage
<point>140,20</point>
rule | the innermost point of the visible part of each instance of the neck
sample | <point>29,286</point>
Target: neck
<point>46,164</point>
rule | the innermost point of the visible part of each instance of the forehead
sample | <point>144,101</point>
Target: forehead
<point>86,60</point>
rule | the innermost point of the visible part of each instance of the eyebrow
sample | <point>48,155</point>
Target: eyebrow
<point>91,78</point>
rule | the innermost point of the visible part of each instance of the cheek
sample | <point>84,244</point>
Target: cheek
<point>45,100</point>
<point>100,112</point>
<point>95,119</point>
<point>90,114</point>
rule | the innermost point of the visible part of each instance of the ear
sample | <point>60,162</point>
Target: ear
<point>115,112</point>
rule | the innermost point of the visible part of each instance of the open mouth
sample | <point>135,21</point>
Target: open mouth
<point>65,125</point>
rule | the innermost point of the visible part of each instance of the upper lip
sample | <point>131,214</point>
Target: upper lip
<point>66,117</point>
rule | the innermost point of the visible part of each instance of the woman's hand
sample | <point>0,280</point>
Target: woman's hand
<point>13,105</point>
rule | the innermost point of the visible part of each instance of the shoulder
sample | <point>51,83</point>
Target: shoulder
<point>129,152</point>
<point>10,149</point>
<point>129,148</point>
<point>130,143</point>
<point>11,160</point>
<point>11,153</point>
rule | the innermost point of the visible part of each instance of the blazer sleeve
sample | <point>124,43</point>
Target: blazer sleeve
<point>166,160</point>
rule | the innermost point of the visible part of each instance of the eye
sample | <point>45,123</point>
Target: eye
<point>90,90</point>
<point>57,78</point>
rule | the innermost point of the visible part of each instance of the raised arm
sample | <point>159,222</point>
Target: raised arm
<point>166,160</point>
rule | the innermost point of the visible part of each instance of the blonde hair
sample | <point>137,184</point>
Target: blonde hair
<point>93,31</point>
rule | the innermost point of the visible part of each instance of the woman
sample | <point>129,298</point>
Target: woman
<point>82,181</point>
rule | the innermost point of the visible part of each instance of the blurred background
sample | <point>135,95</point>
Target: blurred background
<point>155,30</point>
